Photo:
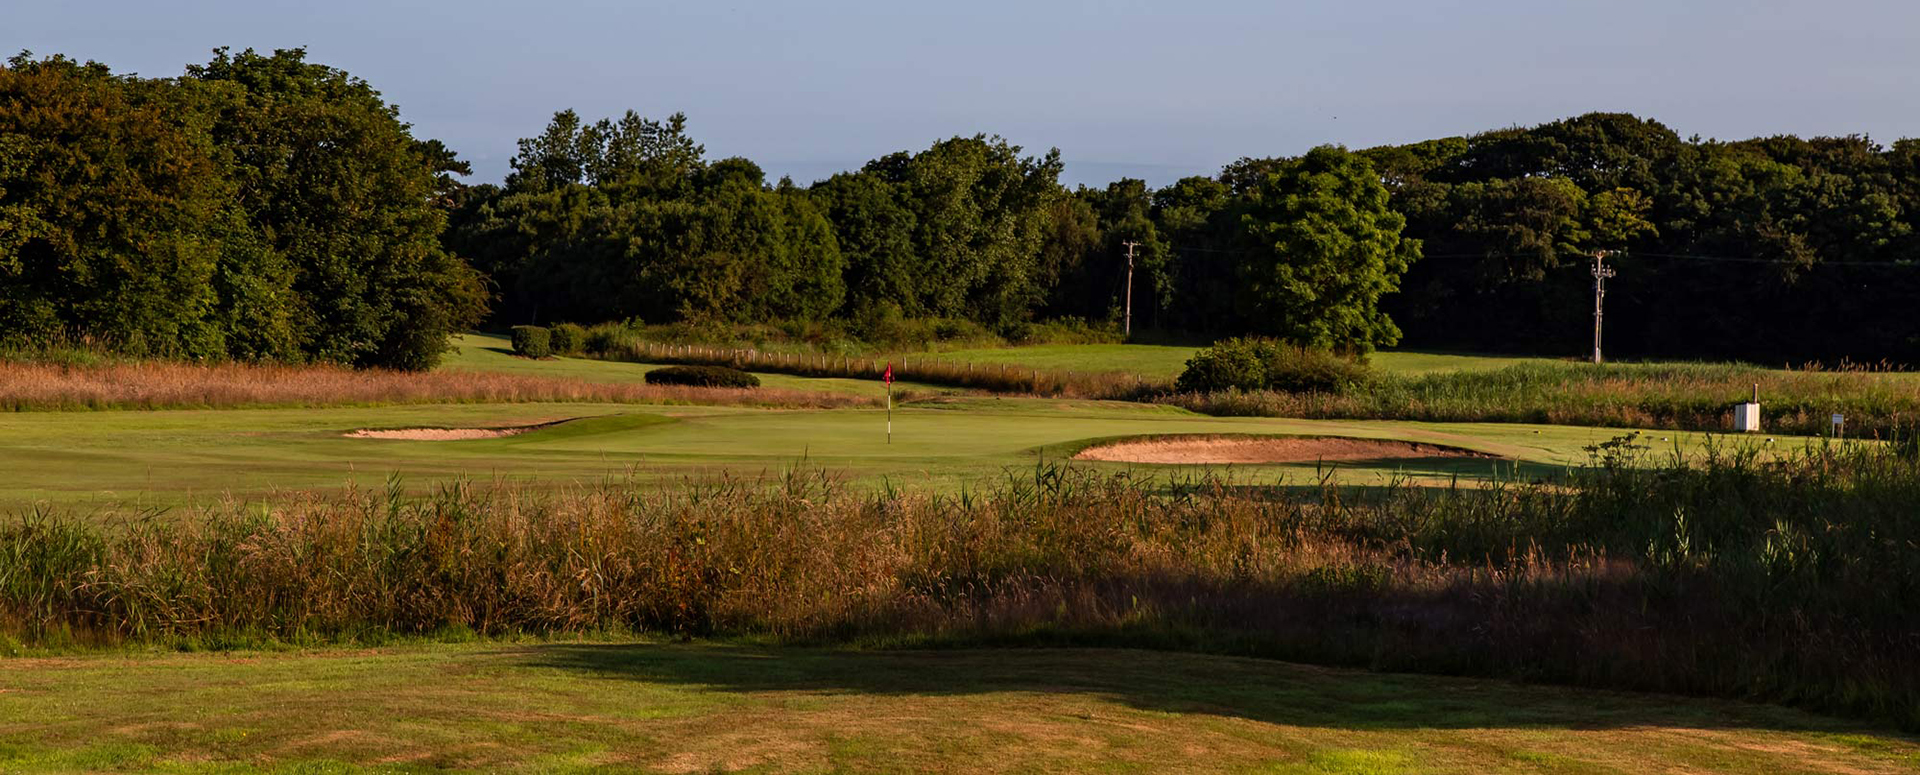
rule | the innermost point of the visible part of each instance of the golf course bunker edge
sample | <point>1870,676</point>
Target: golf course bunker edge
<point>1215,449</point>
<point>448,434</point>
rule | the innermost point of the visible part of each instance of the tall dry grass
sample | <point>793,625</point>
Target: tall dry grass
<point>1782,581</point>
<point>997,378</point>
<point>28,386</point>
<point>1696,397</point>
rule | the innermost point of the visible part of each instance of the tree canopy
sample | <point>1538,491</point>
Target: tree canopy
<point>265,207</point>
<point>257,207</point>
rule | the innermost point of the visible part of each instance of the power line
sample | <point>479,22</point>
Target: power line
<point>1619,254</point>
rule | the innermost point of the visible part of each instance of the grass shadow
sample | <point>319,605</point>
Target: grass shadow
<point>1170,682</point>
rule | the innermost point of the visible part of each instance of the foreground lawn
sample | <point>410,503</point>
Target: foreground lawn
<point>587,707</point>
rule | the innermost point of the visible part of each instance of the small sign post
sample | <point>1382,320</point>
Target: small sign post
<point>888,377</point>
<point>1839,426</point>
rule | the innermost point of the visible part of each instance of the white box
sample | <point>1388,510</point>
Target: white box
<point>1746,417</point>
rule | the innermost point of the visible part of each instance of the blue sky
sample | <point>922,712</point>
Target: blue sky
<point>1155,90</point>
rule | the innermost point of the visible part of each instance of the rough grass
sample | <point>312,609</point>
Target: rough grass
<point>1788,581</point>
<point>1696,397</point>
<point>702,707</point>
<point>923,369</point>
<point>162,385</point>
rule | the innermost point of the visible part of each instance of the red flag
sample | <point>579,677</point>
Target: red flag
<point>889,375</point>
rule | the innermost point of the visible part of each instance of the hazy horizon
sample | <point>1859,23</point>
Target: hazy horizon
<point>1123,89</point>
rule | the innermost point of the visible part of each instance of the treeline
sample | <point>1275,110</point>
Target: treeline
<point>1778,249</point>
<point>267,208</point>
<point>255,208</point>
<point>627,219</point>
<point>1773,249</point>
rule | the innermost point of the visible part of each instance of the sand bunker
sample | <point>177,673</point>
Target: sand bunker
<point>445,434</point>
<point>1265,449</point>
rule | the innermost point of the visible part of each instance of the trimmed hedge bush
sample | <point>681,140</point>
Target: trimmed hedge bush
<point>1265,364</point>
<point>567,338</point>
<point>702,376</point>
<point>532,341</point>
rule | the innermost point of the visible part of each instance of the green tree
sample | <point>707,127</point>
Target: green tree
<point>874,230</point>
<point>1323,248</point>
<point>336,184</point>
<point>980,215</point>
<point>111,211</point>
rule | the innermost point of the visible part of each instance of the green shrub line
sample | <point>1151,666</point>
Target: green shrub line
<point>703,376</point>
<point>1788,581</point>
<point>872,334</point>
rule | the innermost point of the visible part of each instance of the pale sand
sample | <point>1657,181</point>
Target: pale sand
<point>445,434</point>
<point>1265,449</point>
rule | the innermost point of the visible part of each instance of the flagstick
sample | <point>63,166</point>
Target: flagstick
<point>888,377</point>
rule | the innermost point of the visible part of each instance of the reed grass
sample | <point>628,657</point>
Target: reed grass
<point>1696,397</point>
<point>37,386</point>
<point>1786,581</point>
<point>922,368</point>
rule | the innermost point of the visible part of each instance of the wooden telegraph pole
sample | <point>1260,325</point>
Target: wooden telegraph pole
<point>1600,274</point>
<point>1127,326</point>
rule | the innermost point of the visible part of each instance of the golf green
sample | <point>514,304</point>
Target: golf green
<point>166,458</point>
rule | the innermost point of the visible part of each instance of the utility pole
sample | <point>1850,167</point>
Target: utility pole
<point>1127,327</point>
<point>1600,274</point>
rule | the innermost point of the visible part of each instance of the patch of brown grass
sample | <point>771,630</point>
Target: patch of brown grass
<point>993,378</point>
<point>162,385</point>
<point>1715,580</point>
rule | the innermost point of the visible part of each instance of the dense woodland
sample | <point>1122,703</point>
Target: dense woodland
<point>268,208</point>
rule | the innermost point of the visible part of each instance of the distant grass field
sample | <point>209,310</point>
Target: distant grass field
<point>702,707</point>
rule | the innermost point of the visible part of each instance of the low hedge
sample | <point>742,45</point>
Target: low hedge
<point>532,341</point>
<point>1266,364</point>
<point>567,338</point>
<point>702,376</point>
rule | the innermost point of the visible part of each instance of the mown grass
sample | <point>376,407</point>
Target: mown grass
<point>108,461</point>
<point>1788,581</point>
<point>651,706</point>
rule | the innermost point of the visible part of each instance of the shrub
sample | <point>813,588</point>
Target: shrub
<point>1017,332</point>
<point>1234,364</point>
<point>1310,370</point>
<point>532,341</point>
<point>1265,364</point>
<point>607,338</point>
<point>567,338</point>
<point>702,376</point>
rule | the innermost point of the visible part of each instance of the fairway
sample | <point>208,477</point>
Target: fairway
<point>656,707</point>
<point>167,458</point>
